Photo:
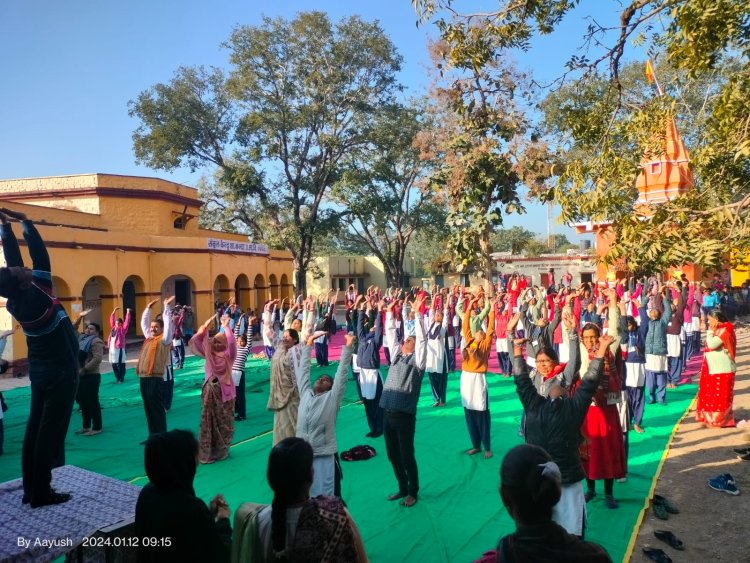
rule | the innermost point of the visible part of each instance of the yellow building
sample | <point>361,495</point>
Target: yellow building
<point>125,240</point>
<point>339,272</point>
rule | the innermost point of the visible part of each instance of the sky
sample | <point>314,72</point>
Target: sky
<point>70,68</point>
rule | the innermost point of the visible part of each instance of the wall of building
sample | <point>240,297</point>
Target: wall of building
<point>131,253</point>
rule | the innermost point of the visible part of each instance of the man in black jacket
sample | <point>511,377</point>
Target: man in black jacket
<point>554,424</point>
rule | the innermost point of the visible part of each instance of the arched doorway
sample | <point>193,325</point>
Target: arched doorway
<point>286,287</point>
<point>61,290</point>
<point>134,298</point>
<point>221,288</point>
<point>274,283</point>
<point>242,291</point>
<point>99,298</point>
<point>181,286</point>
<point>259,285</point>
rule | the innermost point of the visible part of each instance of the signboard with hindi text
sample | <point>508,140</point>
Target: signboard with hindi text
<point>237,246</point>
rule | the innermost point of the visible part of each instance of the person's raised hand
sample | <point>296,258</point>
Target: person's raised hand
<point>604,342</point>
<point>14,214</point>
<point>151,303</point>
<point>169,300</point>
<point>568,321</point>
<point>349,339</point>
<point>225,320</point>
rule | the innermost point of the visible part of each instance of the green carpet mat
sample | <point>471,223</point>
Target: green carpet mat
<point>459,514</point>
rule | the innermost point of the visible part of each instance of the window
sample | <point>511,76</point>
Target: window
<point>655,168</point>
<point>342,284</point>
<point>179,223</point>
<point>465,280</point>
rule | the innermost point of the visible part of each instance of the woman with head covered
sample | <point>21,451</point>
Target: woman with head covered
<point>171,523</point>
<point>218,394</point>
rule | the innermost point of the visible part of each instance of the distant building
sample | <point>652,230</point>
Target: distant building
<point>581,266</point>
<point>339,272</point>
<point>125,240</point>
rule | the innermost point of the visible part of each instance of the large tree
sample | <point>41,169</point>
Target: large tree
<point>596,176</point>
<point>298,99</point>
<point>385,191</point>
<point>483,146</point>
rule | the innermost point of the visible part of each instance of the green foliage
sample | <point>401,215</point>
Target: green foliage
<point>485,149</point>
<point>383,188</point>
<point>276,131</point>
<point>606,119</point>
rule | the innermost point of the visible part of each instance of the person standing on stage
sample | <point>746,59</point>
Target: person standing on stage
<point>53,358</point>
<point>399,401</point>
<point>152,361</point>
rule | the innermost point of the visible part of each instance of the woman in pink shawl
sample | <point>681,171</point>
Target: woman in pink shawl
<point>217,396</point>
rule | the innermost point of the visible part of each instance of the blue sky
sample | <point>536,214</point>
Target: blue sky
<point>69,69</point>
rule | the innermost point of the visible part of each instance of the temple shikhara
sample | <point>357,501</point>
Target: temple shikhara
<point>663,177</point>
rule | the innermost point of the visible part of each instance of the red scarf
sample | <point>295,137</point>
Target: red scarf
<point>558,369</point>
<point>725,331</point>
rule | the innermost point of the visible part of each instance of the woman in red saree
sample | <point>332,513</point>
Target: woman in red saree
<point>716,389</point>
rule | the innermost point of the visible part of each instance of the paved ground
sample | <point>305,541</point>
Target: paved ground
<point>713,525</point>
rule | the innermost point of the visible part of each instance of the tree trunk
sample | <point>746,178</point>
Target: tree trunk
<point>485,261</point>
<point>300,276</point>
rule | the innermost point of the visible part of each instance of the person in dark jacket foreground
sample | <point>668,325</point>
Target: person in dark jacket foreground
<point>171,523</point>
<point>530,487</point>
<point>554,424</point>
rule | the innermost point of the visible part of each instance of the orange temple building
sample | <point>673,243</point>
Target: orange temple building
<point>663,177</point>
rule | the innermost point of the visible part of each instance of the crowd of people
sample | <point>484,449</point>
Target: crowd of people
<point>584,359</point>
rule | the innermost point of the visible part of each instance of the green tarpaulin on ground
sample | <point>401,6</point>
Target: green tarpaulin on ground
<point>459,513</point>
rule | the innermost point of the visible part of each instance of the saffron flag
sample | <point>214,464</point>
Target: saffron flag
<point>649,72</point>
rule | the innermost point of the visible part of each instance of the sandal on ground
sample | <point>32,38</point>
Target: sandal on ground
<point>396,496</point>
<point>657,555</point>
<point>589,495</point>
<point>742,451</point>
<point>611,502</point>
<point>408,501</point>
<point>659,510</point>
<point>83,430</point>
<point>93,432</point>
<point>666,503</point>
<point>670,539</point>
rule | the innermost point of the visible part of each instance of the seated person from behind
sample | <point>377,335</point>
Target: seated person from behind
<point>295,527</point>
<point>530,487</point>
<point>168,508</point>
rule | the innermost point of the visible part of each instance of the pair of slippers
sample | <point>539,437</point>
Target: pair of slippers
<point>663,507</point>
<point>659,555</point>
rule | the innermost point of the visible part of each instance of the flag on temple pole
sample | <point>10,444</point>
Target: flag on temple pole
<point>649,72</point>
<point>651,76</point>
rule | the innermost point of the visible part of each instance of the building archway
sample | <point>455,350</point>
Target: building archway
<point>98,296</point>
<point>259,286</point>
<point>274,285</point>
<point>61,290</point>
<point>242,291</point>
<point>286,287</point>
<point>221,288</point>
<point>134,297</point>
<point>181,286</point>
